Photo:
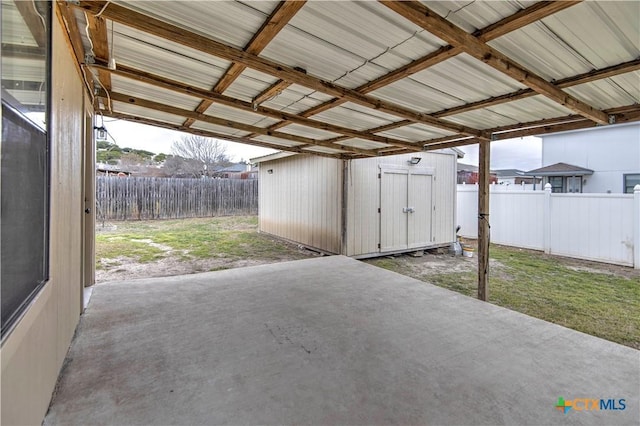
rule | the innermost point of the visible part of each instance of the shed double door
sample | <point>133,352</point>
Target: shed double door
<point>405,208</point>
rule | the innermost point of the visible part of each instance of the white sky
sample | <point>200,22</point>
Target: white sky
<point>520,153</point>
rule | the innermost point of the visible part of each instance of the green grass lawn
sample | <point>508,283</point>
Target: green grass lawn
<point>230,238</point>
<point>603,304</point>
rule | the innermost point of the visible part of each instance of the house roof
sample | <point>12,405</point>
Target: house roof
<point>560,169</point>
<point>353,79</point>
<point>234,168</point>
<point>508,173</point>
<point>462,167</point>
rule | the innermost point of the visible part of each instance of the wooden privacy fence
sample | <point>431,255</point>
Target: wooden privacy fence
<point>126,198</point>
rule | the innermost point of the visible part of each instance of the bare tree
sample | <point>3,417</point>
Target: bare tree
<point>208,151</point>
<point>176,166</point>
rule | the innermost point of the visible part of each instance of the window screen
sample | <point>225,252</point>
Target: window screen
<point>24,165</point>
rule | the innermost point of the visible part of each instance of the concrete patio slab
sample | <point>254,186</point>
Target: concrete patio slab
<point>329,341</point>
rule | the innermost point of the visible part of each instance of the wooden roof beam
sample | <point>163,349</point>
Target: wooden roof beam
<point>267,32</point>
<point>587,77</point>
<point>274,90</point>
<point>179,87</point>
<point>22,51</point>
<point>179,35</point>
<point>206,133</point>
<point>100,42</point>
<point>504,26</point>
<point>522,18</point>
<point>68,20</point>
<point>422,16</point>
<point>34,21</point>
<point>625,114</point>
<point>196,116</point>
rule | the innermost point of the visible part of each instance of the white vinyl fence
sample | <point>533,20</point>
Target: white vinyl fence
<point>599,227</point>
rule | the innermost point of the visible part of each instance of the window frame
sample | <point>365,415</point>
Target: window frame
<point>553,187</point>
<point>18,312</point>
<point>624,182</point>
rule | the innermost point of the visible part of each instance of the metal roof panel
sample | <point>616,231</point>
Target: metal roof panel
<point>416,133</point>
<point>349,117</point>
<point>557,47</point>
<point>235,23</point>
<point>138,111</point>
<point>621,90</point>
<point>277,141</point>
<point>474,79</point>
<point>166,58</point>
<point>146,91</point>
<point>240,116</point>
<point>202,125</point>
<point>474,15</point>
<point>307,132</point>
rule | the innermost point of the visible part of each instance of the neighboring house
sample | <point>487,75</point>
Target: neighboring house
<point>598,160</point>
<point>110,170</point>
<point>237,171</point>
<point>514,177</point>
<point>468,174</point>
<point>563,177</point>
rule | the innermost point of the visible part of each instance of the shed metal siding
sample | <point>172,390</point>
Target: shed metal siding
<point>300,200</point>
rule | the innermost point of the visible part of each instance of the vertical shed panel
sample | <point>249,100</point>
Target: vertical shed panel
<point>300,200</point>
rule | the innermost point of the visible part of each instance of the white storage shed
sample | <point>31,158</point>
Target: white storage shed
<point>361,207</point>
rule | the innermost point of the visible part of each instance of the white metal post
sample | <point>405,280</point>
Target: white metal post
<point>636,227</point>
<point>546,219</point>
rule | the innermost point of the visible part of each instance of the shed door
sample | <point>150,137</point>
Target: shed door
<point>405,208</point>
<point>394,200</point>
<point>419,217</point>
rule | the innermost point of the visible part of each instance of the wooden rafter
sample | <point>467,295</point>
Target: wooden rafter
<point>510,23</point>
<point>68,21</point>
<point>22,51</point>
<point>34,21</point>
<point>523,18</point>
<point>274,90</point>
<point>178,87</point>
<point>181,36</point>
<point>572,122</point>
<point>587,77</point>
<point>278,19</point>
<point>196,116</point>
<point>206,133</point>
<point>422,16</point>
<point>100,43</point>
<point>625,114</point>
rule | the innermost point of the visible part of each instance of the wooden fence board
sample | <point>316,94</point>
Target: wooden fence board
<point>138,198</point>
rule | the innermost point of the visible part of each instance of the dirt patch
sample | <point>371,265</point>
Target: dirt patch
<point>432,262</point>
<point>440,261</point>
<point>130,250</point>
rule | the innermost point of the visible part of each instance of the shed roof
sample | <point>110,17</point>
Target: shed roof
<point>354,79</point>
<point>560,169</point>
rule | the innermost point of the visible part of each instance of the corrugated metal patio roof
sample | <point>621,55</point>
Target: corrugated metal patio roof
<point>357,79</point>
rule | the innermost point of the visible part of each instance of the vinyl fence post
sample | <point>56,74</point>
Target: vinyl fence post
<point>636,227</point>
<point>546,219</point>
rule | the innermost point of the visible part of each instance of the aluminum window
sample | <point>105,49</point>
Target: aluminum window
<point>24,150</point>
